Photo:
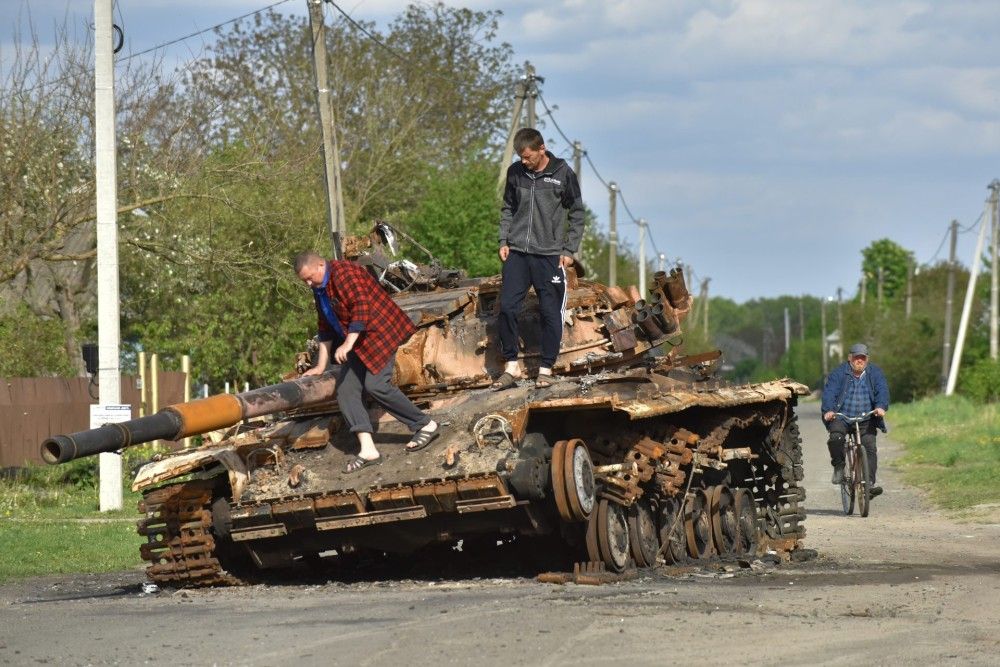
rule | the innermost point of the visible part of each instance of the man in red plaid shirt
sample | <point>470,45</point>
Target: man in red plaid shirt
<point>345,293</point>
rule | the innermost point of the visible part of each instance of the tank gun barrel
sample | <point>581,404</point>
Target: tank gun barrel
<point>192,418</point>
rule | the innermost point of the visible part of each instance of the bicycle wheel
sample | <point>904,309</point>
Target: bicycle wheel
<point>847,484</point>
<point>863,482</point>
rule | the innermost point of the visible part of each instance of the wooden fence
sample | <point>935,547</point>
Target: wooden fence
<point>32,409</point>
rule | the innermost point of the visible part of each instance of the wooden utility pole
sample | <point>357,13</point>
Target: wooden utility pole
<point>578,160</point>
<point>531,91</point>
<point>994,269</point>
<point>508,150</point>
<point>328,126</point>
<point>642,257</point>
<point>840,322</point>
<point>612,234</point>
<point>704,299</point>
<point>963,323</point>
<point>949,297</point>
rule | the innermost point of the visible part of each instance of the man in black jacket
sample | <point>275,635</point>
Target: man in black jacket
<point>541,226</point>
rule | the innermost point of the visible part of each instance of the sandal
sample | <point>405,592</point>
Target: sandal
<point>357,463</point>
<point>421,439</point>
<point>505,381</point>
<point>545,381</point>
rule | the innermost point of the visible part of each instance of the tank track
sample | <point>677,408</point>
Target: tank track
<point>779,492</point>
<point>180,547</point>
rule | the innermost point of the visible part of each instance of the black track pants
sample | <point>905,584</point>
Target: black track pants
<point>544,273</point>
<point>836,442</point>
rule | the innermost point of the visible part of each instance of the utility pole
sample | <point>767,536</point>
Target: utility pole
<point>508,150</point>
<point>704,299</point>
<point>840,322</point>
<point>963,323</point>
<point>909,290</point>
<point>578,161</point>
<point>880,287</point>
<point>642,257</point>
<point>822,337</point>
<point>864,287</point>
<point>328,122</point>
<point>949,296</point>
<point>661,262</point>
<point>106,177</point>
<point>612,234</point>
<point>531,91</point>
<point>994,272</point>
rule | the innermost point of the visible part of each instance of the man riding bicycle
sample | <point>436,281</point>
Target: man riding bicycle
<point>854,388</point>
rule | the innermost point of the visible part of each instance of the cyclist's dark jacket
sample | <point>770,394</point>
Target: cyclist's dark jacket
<point>542,212</point>
<point>835,390</point>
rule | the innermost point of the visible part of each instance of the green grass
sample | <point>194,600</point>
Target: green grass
<point>952,449</point>
<point>50,523</point>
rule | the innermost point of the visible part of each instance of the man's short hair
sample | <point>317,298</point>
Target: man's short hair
<point>304,259</point>
<point>528,137</point>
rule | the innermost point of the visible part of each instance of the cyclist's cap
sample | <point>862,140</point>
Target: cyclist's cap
<point>859,349</point>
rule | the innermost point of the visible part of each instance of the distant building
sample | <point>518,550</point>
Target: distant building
<point>834,346</point>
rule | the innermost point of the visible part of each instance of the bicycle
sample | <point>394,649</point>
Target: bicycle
<point>856,484</point>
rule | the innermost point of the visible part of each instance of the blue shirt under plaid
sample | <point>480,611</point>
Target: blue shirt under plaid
<point>858,399</point>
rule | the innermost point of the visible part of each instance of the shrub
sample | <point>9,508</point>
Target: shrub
<point>981,382</point>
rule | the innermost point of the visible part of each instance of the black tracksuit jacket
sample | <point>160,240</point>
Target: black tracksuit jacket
<point>542,212</point>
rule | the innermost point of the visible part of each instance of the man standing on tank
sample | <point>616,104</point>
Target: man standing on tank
<point>368,327</point>
<point>541,226</point>
<point>854,388</point>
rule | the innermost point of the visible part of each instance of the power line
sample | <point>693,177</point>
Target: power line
<point>160,46</point>
<point>593,167</point>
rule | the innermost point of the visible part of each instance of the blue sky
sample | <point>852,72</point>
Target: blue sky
<point>766,141</point>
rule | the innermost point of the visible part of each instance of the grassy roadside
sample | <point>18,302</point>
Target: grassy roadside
<point>50,523</point>
<point>952,451</point>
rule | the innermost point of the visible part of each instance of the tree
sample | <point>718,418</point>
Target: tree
<point>894,260</point>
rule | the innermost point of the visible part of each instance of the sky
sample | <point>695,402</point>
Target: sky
<point>766,142</point>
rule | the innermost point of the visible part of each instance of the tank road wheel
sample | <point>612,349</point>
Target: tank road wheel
<point>747,531</point>
<point>573,485</point>
<point>672,532</point>
<point>723,514</point>
<point>698,525</point>
<point>612,535</point>
<point>643,535</point>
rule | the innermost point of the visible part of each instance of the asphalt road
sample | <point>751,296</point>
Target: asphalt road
<point>906,585</point>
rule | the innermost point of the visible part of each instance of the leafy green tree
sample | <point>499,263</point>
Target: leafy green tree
<point>894,260</point>
<point>32,346</point>
<point>458,218</point>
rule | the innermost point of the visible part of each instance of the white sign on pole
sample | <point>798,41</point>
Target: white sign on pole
<point>110,463</point>
<point>109,414</point>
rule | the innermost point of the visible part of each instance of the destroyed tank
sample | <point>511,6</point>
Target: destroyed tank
<point>639,454</point>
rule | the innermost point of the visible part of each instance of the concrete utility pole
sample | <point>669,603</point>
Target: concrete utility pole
<point>963,324</point>
<point>788,331</point>
<point>106,177</point>
<point>328,126</point>
<point>949,296</point>
<point>840,322</point>
<point>515,120</point>
<point>612,233</point>
<point>822,337</point>
<point>642,257</point>
<point>661,262</point>
<point>909,290</point>
<point>578,161</point>
<point>994,272</point>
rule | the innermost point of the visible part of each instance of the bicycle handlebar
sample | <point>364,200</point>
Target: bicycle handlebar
<point>853,420</point>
